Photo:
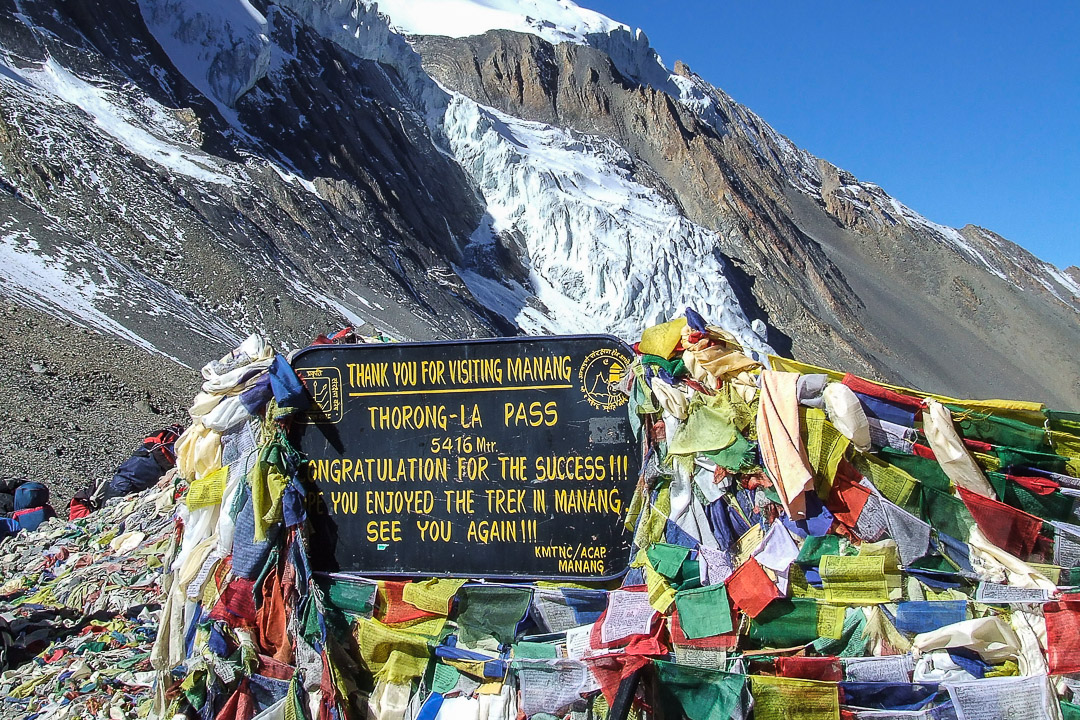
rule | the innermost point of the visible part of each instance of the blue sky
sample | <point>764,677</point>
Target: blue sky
<point>968,112</point>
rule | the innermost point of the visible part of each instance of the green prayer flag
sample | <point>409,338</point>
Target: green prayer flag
<point>1055,506</point>
<point>925,470</point>
<point>934,561</point>
<point>1017,457</point>
<point>704,612</point>
<point>700,693</point>
<point>852,642</point>
<point>535,651</point>
<point>815,546</point>
<point>1064,421</point>
<point>998,430</point>
<point>706,428</point>
<point>689,577</point>
<point>445,678</point>
<point>738,456</point>
<point>667,559</point>
<point>676,367</point>
<point>488,611</point>
<point>354,597</point>
<point>946,513</point>
<point>997,481</point>
<point>785,623</point>
<point>1070,711</point>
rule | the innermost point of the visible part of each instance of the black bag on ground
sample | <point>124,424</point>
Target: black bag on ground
<point>147,464</point>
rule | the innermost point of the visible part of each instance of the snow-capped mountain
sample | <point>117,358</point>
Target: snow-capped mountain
<point>179,173</point>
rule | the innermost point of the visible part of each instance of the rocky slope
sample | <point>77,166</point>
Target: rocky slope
<point>175,174</point>
<point>77,401</point>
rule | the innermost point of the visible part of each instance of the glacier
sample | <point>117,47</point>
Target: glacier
<point>605,252</point>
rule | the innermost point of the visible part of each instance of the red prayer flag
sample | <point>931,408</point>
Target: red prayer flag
<point>655,643</point>
<point>923,451</point>
<point>394,610</point>
<point>847,497</point>
<point>1037,485</point>
<point>610,671</point>
<point>751,589</point>
<point>1012,530</point>
<point>810,668</point>
<point>240,705</point>
<point>271,668</point>
<point>236,606</point>
<point>866,387</point>
<point>1063,636</point>
<point>270,620</point>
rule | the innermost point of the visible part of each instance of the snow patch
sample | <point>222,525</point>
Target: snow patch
<point>292,178</point>
<point>53,83</point>
<point>554,20</point>
<point>1067,282</point>
<point>354,317</point>
<point>221,46</point>
<point>944,234</point>
<point>49,285</point>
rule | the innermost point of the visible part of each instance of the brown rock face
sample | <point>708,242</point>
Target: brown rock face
<point>847,276</point>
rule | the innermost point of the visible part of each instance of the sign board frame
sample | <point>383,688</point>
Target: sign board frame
<point>549,401</point>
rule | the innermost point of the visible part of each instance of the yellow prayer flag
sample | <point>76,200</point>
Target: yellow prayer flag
<point>661,339</point>
<point>493,687</point>
<point>661,595</point>
<point>882,632</point>
<point>800,587</point>
<point>208,489</point>
<point>780,698</point>
<point>891,481</point>
<point>830,621</point>
<point>651,530</point>
<point>432,595</point>
<point>378,643</point>
<point>747,544</point>
<point>825,446</point>
<point>856,580</point>
<point>1052,572</point>
<point>788,365</point>
<point>472,668</point>
<point>401,667</point>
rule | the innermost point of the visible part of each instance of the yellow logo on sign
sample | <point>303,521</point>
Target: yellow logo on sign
<point>324,386</point>
<point>600,375</point>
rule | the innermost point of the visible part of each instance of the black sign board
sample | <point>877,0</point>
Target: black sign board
<point>487,458</point>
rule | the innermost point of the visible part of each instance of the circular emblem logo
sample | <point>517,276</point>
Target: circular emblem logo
<point>600,375</point>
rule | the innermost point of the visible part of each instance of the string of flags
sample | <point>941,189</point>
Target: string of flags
<point>807,544</point>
